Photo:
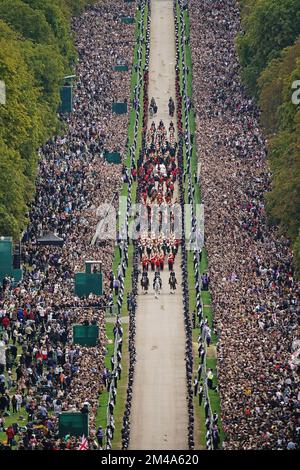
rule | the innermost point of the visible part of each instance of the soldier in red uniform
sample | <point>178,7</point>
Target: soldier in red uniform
<point>161,261</point>
<point>145,263</point>
<point>152,261</point>
<point>171,260</point>
<point>157,262</point>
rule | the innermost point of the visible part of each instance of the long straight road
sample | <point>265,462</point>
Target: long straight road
<point>159,417</point>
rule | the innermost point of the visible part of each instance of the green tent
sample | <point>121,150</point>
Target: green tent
<point>73,424</point>
<point>86,284</point>
<point>119,108</point>
<point>89,283</point>
<point>127,19</point>
<point>66,97</point>
<point>6,260</point>
<point>121,68</point>
<point>112,157</point>
<point>86,335</point>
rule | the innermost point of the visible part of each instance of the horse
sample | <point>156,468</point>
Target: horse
<point>172,283</point>
<point>145,284</point>
<point>157,286</point>
<point>153,107</point>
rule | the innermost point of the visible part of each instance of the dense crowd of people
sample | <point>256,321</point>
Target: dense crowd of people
<point>188,325</point>
<point>255,295</point>
<point>198,388</point>
<point>42,371</point>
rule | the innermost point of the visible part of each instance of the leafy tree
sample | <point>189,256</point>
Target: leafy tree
<point>76,6</point>
<point>246,6</point>
<point>270,57</point>
<point>48,68</point>
<point>283,202</point>
<point>271,26</point>
<point>36,51</point>
<point>274,86</point>
<point>12,191</point>
<point>31,24</point>
<point>21,119</point>
<point>288,111</point>
<point>59,24</point>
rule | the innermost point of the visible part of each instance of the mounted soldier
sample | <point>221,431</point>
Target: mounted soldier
<point>172,282</point>
<point>157,284</point>
<point>145,282</point>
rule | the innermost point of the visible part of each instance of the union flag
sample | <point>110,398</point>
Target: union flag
<point>83,444</point>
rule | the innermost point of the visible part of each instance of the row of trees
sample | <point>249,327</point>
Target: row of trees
<point>270,56</point>
<point>36,52</point>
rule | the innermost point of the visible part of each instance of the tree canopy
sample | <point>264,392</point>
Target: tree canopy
<point>270,26</point>
<point>270,57</point>
<point>36,52</point>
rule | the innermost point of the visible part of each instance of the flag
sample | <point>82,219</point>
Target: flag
<point>84,444</point>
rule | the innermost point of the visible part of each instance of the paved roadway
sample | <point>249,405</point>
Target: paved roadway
<point>159,417</point>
